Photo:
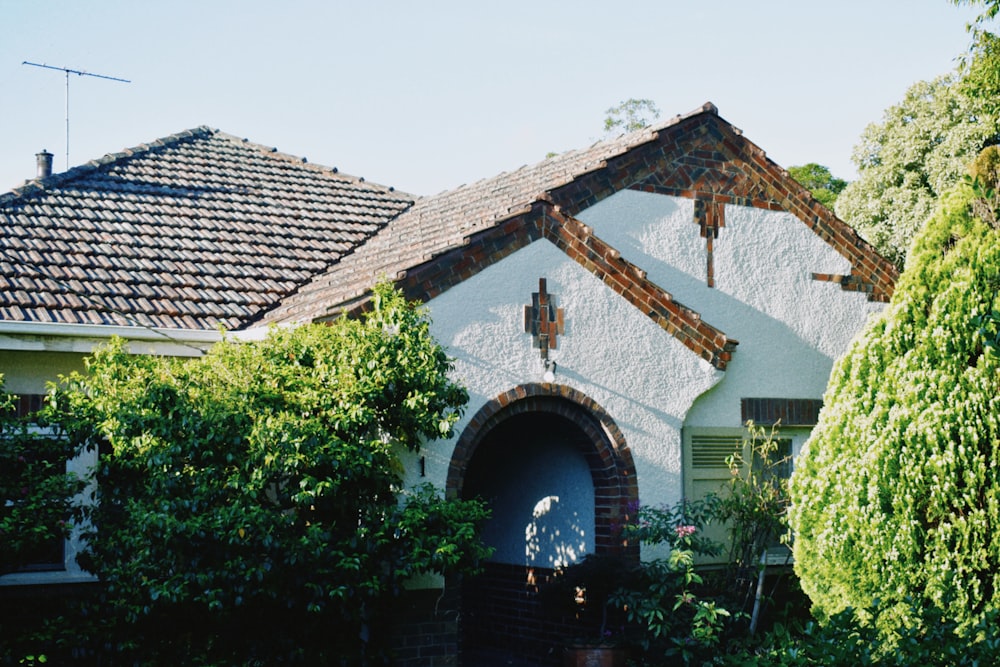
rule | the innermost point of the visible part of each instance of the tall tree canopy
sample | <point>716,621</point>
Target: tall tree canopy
<point>917,152</point>
<point>251,508</point>
<point>896,498</point>
<point>823,185</point>
<point>630,115</point>
<point>981,66</point>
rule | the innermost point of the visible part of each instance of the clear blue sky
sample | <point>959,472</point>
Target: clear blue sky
<point>425,96</point>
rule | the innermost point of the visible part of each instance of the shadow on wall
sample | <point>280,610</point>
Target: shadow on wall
<point>532,471</point>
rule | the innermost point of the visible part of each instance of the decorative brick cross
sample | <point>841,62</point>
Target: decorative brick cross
<point>543,320</point>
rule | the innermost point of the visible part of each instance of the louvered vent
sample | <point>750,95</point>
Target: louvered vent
<point>711,451</point>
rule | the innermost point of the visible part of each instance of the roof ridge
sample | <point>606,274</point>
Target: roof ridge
<point>40,185</point>
<point>625,142</point>
<point>302,161</point>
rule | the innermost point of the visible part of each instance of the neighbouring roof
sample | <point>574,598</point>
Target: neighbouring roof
<point>195,231</point>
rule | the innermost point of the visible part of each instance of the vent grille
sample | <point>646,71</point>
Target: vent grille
<point>711,451</point>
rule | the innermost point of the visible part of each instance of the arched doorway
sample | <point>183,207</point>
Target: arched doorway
<point>561,482</point>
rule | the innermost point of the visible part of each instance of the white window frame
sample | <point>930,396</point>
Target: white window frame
<point>83,466</point>
<point>689,436</point>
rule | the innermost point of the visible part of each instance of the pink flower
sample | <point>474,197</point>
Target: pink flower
<point>685,531</point>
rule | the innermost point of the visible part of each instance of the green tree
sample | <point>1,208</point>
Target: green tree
<point>980,67</point>
<point>630,115</point>
<point>896,498</point>
<point>251,508</point>
<point>37,508</point>
<point>823,185</point>
<point>907,161</point>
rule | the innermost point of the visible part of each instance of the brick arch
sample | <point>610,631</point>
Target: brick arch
<point>609,458</point>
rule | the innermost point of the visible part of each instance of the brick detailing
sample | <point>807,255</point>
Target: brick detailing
<point>701,158</point>
<point>483,249</point>
<point>610,460</point>
<point>502,614</point>
<point>789,411</point>
<point>576,240</point>
<point>543,320</point>
<point>424,628</point>
<point>501,610</point>
<point>477,252</point>
<point>698,156</point>
<point>710,216</point>
<point>706,159</point>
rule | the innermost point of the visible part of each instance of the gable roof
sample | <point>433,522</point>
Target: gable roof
<point>445,239</point>
<point>195,231</point>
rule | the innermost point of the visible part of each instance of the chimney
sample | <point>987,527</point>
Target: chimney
<point>44,161</point>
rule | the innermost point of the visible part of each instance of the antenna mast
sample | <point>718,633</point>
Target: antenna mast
<point>67,72</point>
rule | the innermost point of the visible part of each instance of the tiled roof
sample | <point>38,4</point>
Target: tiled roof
<point>697,156</point>
<point>443,221</point>
<point>193,231</point>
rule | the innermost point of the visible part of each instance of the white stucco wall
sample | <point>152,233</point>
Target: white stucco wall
<point>790,327</point>
<point>643,377</point>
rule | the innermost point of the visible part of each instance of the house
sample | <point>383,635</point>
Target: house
<point>617,312</point>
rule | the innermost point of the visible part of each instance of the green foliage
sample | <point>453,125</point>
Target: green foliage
<point>755,511</point>
<point>823,185</point>
<point>250,503</point>
<point>37,508</point>
<point>844,641</point>
<point>915,154</point>
<point>665,600</point>
<point>980,71</point>
<point>984,180</point>
<point>990,9</point>
<point>896,498</point>
<point>630,115</point>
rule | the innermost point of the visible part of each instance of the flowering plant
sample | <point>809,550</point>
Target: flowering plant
<point>665,601</point>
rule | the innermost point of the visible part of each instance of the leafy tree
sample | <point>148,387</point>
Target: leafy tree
<point>907,161</point>
<point>990,9</point>
<point>980,67</point>
<point>250,503</point>
<point>630,115</point>
<point>896,499</point>
<point>823,185</point>
<point>37,508</point>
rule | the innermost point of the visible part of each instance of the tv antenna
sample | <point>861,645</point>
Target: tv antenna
<point>67,71</point>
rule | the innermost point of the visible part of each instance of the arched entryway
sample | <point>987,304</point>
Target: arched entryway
<point>561,482</point>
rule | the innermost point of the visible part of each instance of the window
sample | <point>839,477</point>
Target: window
<point>706,470</point>
<point>35,461</point>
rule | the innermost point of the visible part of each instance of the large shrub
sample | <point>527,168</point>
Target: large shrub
<point>250,507</point>
<point>896,498</point>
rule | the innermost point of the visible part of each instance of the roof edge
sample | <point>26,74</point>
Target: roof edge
<point>39,185</point>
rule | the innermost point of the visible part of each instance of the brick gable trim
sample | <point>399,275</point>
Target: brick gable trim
<point>573,237</point>
<point>706,159</point>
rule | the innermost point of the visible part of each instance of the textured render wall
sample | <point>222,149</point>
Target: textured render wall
<point>790,327</point>
<point>28,372</point>
<point>644,378</point>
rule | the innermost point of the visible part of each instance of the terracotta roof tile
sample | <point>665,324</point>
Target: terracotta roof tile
<point>195,230</point>
<point>435,224</point>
